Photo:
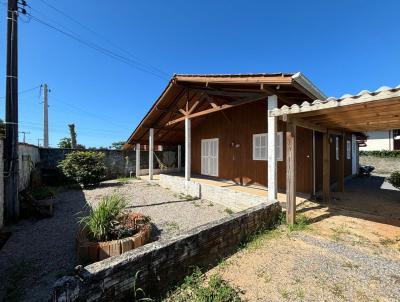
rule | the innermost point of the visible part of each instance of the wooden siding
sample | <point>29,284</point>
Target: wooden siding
<point>235,133</point>
<point>334,162</point>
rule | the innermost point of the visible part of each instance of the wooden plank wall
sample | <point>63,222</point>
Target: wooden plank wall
<point>236,143</point>
<point>334,162</point>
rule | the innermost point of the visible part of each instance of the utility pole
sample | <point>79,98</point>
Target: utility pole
<point>11,173</point>
<point>24,133</point>
<point>45,117</point>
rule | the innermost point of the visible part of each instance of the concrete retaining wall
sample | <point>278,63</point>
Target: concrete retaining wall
<point>232,199</point>
<point>164,262</point>
<point>383,165</point>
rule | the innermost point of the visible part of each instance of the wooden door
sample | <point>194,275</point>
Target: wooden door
<point>304,160</point>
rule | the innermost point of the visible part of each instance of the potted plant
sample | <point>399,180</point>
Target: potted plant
<point>108,230</point>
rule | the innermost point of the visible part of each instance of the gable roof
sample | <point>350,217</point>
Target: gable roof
<point>224,89</point>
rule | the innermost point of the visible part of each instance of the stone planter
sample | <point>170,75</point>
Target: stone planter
<point>93,251</point>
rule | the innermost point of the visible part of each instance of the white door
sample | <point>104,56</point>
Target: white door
<point>209,157</point>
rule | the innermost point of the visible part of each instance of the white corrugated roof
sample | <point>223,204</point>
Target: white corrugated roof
<point>363,96</point>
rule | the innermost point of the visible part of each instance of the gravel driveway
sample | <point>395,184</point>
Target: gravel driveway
<point>40,251</point>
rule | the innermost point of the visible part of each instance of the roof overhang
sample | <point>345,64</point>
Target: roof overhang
<point>366,111</point>
<point>207,94</point>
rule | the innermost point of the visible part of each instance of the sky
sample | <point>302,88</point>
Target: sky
<point>342,46</point>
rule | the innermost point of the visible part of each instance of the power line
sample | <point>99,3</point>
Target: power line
<point>24,91</point>
<point>98,48</point>
<point>139,60</point>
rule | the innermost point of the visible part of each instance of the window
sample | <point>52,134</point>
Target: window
<point>260,146</point>
<point>348,149</point>
<point>337,147</point>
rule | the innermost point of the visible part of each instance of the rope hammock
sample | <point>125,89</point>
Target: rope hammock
<point>162,165</point>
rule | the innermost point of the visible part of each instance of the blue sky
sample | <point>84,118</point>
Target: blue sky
<point>342,46</point>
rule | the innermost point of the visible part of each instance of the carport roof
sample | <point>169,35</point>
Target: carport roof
<point>366,111</point>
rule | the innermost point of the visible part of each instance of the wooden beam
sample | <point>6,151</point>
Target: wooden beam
<point>276,80</point>
<point>151,150</point>
<point>326,168</point>
<point>137,160</point>
<point>193,107</point>
<point>216,109</point>
<point>342,144</point>
<point>291,172</point>
<point>183,111</point>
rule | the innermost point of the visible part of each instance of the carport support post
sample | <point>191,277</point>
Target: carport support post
<point>290,171</point>
<point>188,160</point>
<point>326,168</point>
<point>272,168</point>
<point>137,160</point>
<point>341,163</point>
<point>179,157</point>
<point>151,150</point>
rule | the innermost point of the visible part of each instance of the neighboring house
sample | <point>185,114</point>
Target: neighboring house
<point>222,122</point>
<point>382,140</point>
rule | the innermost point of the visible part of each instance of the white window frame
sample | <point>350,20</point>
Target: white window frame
<point>348,149</point>
<point>337,147</point>
<point>279,151</point>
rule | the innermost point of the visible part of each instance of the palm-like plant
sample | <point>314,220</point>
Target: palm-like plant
<point>102,219</point>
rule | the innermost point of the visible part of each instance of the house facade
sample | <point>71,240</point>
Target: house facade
<point>221,123</point>
<point>382,140</point>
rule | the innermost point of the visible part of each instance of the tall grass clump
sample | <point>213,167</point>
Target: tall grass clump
<point>102,220</point>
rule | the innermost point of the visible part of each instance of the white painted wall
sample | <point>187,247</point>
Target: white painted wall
<point>28,158</point>
<point>379,140</point>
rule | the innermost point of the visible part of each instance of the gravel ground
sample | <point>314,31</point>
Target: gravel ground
<point>40,251</point>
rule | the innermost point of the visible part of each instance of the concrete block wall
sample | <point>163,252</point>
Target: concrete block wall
<point>164,262</point>
<point>118,162</point>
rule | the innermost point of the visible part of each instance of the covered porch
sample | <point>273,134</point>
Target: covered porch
<point>366,111</point>
<point>191,109</point>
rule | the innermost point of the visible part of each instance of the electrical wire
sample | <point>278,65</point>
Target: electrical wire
<point>139,60</point>
<point>98,48</point>
<point>24,91</point>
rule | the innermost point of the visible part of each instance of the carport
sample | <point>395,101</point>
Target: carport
<point>366,111</point>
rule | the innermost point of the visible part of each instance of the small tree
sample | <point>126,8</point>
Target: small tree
<point>64,143</point>
<point>117,145</point>
<point>85,167</point>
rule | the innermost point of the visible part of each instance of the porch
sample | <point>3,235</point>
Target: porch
<point>221,191</point>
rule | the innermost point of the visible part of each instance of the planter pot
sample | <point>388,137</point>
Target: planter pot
<point>92,251</point>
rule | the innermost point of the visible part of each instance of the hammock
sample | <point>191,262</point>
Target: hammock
<point>162,165</point>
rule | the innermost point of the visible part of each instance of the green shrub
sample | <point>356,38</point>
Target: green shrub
<point>394,179</point>
<point>85,167</point>
<point>103,219</point>
<point>44,192</point>
<point>382,153</point>
<point>194,288</point>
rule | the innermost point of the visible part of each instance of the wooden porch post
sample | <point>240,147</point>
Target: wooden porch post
<point>188,160</point>
<point>151,150</point>
<point>272,166</point>
<point>179,157</point>
<point>342,144</point>
<point>326,168</point>
<point>137,160</point>
<point>291,172</point>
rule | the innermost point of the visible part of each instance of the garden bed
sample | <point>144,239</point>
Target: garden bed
<point>90,251</point>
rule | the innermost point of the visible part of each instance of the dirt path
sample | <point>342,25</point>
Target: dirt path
<point>337,258</point>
